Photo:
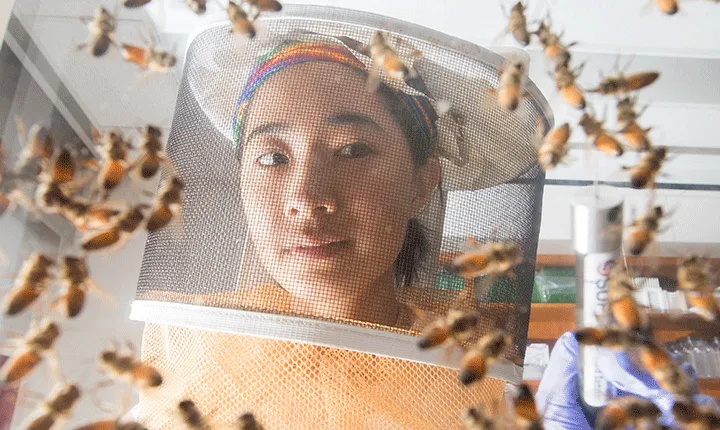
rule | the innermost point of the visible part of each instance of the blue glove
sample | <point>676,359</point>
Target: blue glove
<point>558,394</point>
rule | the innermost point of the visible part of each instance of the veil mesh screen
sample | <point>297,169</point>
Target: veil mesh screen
<point>309,216</point>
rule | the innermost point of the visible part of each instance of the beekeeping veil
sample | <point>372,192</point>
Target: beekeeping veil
<point>222,326</point>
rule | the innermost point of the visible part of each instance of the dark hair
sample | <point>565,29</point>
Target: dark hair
<point>422,146</point>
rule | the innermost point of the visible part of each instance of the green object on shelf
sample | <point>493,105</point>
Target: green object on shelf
<point>447,281</point>
<point>554,285</point>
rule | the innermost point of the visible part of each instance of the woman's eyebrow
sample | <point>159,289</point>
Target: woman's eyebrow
<point>269,128</point>
<point>352,118</point>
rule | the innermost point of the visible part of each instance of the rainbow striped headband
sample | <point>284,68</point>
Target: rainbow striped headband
<point>293,53</point>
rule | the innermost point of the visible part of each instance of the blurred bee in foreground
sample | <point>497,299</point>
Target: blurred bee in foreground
<point>599,137</point>
<point>554,147</point>
<point>56,408</point>
<point>636,136</point>
<point>384,57</point>
<point>455,326</point>
<point>126,367</point>
<point>526,413</point>
<point>38,146</point>
<point>33,280</point>
<point>486,259</point>
<point>113,424</point>
<point>608,337</point>
<point>643,230</point>
<point>115,159</point>
<point>690,415</point>
<point>131,4</point>
<point>622,307</point>
<point>517,24</point>
<point>151,59</point>
<point>76,283</point>
<point>668,374</point>
<point>668,7</point>
<point>565,83</point>
<point>167,204</point>
<point>197,6</point>
<point>265,5</point>
<point>628,411</point>
<point>626,113</point>
<point>511,87</point>
<point>478,360</point>
<point>151,153</point>
<point>191,416</point>
<point>645,172</point>
<point>37,343</point>
<point>241,22</point>
<point>693,275</point>
<point>705,304</point>
<point>102,32</point>
<point>477,419</point>
<point>620,84</point>
<point>122,228</point>
<point>247,421</point>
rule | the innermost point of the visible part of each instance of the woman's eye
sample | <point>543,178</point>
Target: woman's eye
<point>355,150</point>
<point>272,159</point>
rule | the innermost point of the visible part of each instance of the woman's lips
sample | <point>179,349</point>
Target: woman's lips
<point>325,250</point>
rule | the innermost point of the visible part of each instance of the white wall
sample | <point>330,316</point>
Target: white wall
<point>5,11</point>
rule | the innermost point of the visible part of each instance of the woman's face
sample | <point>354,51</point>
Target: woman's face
<point>328,181</point>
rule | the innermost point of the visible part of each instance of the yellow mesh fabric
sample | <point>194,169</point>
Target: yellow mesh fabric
<point>300,386</point>
<point>294,385</point>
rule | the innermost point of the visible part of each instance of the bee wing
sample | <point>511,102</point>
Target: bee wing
<point>134,54</point>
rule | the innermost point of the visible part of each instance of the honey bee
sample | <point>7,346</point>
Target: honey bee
<point>247,421</point>
<point>123,227</point>
<point>645,172</point>
<point>477,419</point>
<point>526,413</point>
<point>265,5</point>
<point>241,22</point>
<point>37,343</point>
<point>151,153</point>
<point>669,376</point>
<point>693,275</point>
<point>552,45</point>
<point>627,314</point>
<point>706,305</point>
<point>607,337</point>
<point>113,424</point>
<point>643,230</point>
<point>384,57</point>
<point>511,86</point>
<point>76,282</point>
<point>38,145</point>
<point>131,4</point>
<point>151,59</point>
<point>482,356</point>
<point>620,84</point>
<point>89,216</point>
<point>456,326</point>
<point>554,147</point>
<point>565,83</point>
<point>636,136</point>
<point>51,195</point>
<point>191,416</point>
<point>197,6</point>
<point>56,408</point>
<point>517,24</point>
<point>626,113</point>
<point>620,284</point>
<point>126,367</point>
<point>599,137</point>
<point>486,259</point>
<point>102,32</point>
<point>668,7</point>
<point>693,416</point>
<point>628,411</point>
<point>115,158</point>
<point>34,279</point>
<point>167,204</point>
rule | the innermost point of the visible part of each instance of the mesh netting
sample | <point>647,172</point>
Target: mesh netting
<point>314,199</point>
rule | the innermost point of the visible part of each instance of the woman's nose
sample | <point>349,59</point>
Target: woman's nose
<point>311,192</point>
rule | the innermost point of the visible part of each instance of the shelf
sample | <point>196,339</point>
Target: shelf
<point>550,320</point>
<point>708,386</point>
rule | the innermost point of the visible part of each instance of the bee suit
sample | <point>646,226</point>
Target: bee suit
<point>315,327</point>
